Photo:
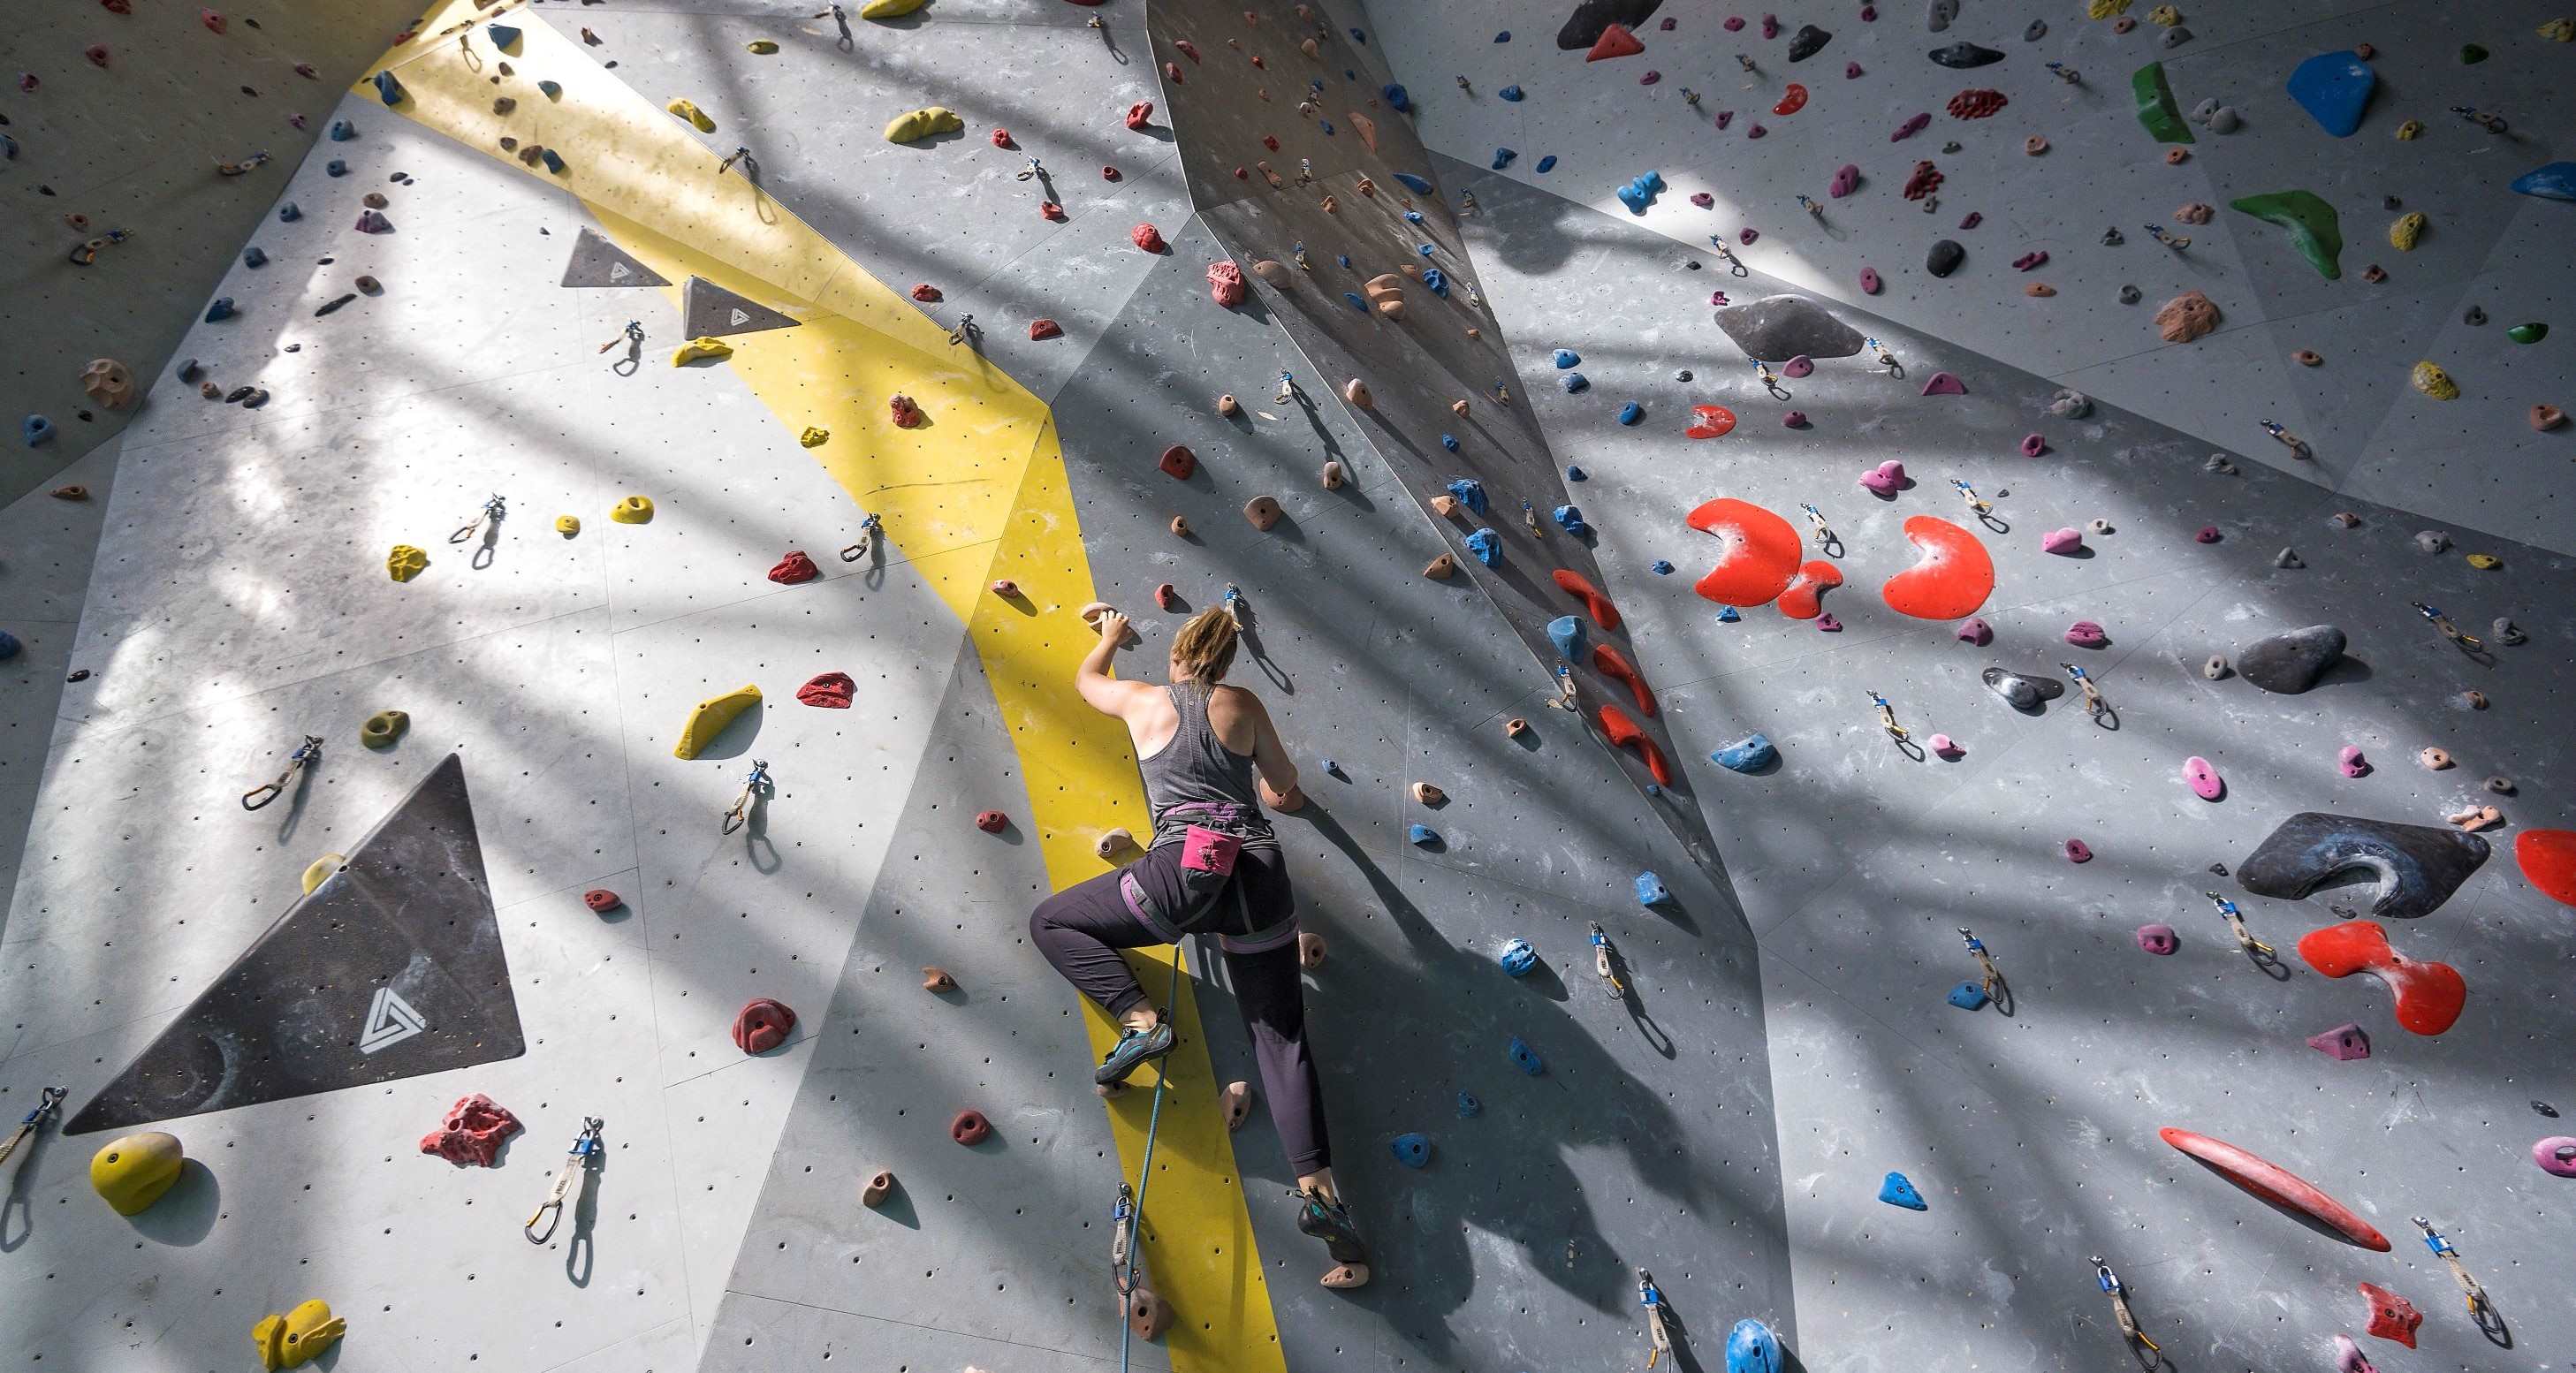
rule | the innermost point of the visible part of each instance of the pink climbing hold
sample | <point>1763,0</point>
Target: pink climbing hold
<point>1746,236</point>
<point>2068,541</point>
<point>2077,851</point>
<point>2205,781</point>
<point>2344,1043</point>
<point>1846,180</point>
<point>2208,534</point>
<point>2556,1155</point>
<point>1756,131</point>
<point>1869,282</point>
<point>1944,384</point>
<point>1827,623</point>
<point>2159,940</point>
<point>991,821</point>
<point>1703,199</point>
<point>1975,630</point>
<point>2350,1359</point>
<point>1922,181</point>
<point>1724,118</point>
<point>2086,634</point>
<point>1972,219</point>
<point>2032,445</point>
<point>1225,283</point>
<point>2030,260</point>
<point>1650,78</point>
<point>2352,763</point>
<point>1886,479</point>
<point>2392,1317</point>
<point>1734,23</point>
<point>1795,419</point>
<point>1799,366</point>
<point>1851,71</point>
<point>1770,26</point>
<point>473,1133</point>
<point>1910,127</point>
<point>1147,238</point>
<point>1946,746</point>
<point>1002,138</point>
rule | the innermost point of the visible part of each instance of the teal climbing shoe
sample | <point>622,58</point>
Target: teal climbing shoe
<point>1134,1049</point>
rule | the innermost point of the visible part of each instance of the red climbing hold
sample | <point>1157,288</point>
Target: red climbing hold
<point>1976,104</point>
<point>1804,597</point>
<point>2429,995</point>
<point>906,414</point>
<point>1044,329</point>
<point>762,1025</point>
<point>1178,463</point>
<point>1172,72</point>
<point>601,900</point>
<point>473,1133</point>
<point>1051,212</point>
<point>1794,100</point>
<point>1711,422</point>
<point>1613,664</point>
<point>2548,861</point>
<point>969,1128</point>
<point>1147,238</point>
<point>1002,138</point>
<point>211,20</point>
<point>1925,180</point>
<point>1187,48</point>
<point>1140,114</point>
<point>991,821</point>
<point>1270,141</point>
<point>1110,174</point>
<point>1615,41</point>
<point>794,568</point>
<point>2275,1184</point>
<point>1225,283</point>
<point>1625,733</point>
<point>1952,575</point>
<point>1758,553</point>
<point>1595,604</point>
<point>2392,1317</point>
<point>927,294</point>
<point>829,691</point>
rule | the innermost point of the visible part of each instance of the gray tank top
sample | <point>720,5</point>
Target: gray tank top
<point>1196,766</point>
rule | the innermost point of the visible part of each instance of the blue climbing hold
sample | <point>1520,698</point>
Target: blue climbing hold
<point>220,309</point>
<point>1650,890</point>
<point>1752,753</point>
<point>1518,958</point>
<point>1421,836</point>
<point>551,89</point>
<point>1504,37</point>
<point>1326,125</point>
<point>1545,164</point>
<point>1570,519</point>
<point>1344,260</point>
<point>1470,493</point>
<point>1450,442</point>
<point>1574,382</point>
<point>2557,181</point>
<point>1503,158</point>
<point>35,429</point>
<point>1359,38</point>
<point>1413,216</point>
<point>1436,282</point>
<point>1727,615</point>
<point>288,213</point>
<point>1415,184</point>
<point>342,131</point>
<point>1575,474</point>
<point>388,89</point>
<point>1631,413</point>
<point>1425,249</point>
<point>502,35</point>
<point>1660,567</point>
<point>1565,358</point>
<point>2333,87</point>
<point>253,256</point>
<point>1356,303</point>
<point>1510,93</point>
<point>1566,632</point>
<point>553,160</point>
<point>1752,1348</point>
<point>1469,1107</point>
<point>1968,996</point>
<point>1397,98</point>
<point>335,167</point>
<point>1641,191</point>
<point>1526,1058</point>
<point>1898,1191</point>
<point>1487,546</point>
<point>1332,769</point>
<point>1413,1150</point>
<point>8,645</point>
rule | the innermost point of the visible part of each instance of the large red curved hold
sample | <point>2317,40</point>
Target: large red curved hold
<point>2429,995</point>
<point>1758,557</point>
<point>2276,1184</point>
<point>1625,733</point>
<point>2548,860</point>
<point>1805,597</point>
<point>1953,576</point>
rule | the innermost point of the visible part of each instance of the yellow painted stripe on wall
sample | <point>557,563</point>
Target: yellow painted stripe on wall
<point>986,472</point>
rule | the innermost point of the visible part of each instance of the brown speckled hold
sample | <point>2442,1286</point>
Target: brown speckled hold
<point>1310,950</point>
<point>2547,417</point>
<point>1333,475</point>
<point>1228,406</point>
<point>1180,527</point>
<point>1441,569</point>
<point>2039,288</point>
<point>1263,512</point>
<point>936,979</point>
<point>2306,358</point>
<point>2175,157</point>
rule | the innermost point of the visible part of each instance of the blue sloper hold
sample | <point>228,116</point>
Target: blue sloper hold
<point>1326,125</point>
<point>1510,93</point>
<point>1565,358</point>
<point>1425,249</point>
<point>288,213</point>
<point>1412,1149</point>
<point>1898,1191</point>
<point>1356,303</point>
<point>1641,191</point>
<point>388,89</point>
<point>1574,382</point>
<point>8,645</point>
<point>2333,87</point>
<point>1661,567</point>
<point>1727,615</point>
<point>1397,98</point>
<point>1518,957</point>
<point>1487,546</point>
<point>1469,1107</point>
<point>1968,996</point>
<point>1650,890</point>
<point>220,308</point>
<point>1503,158</point>
<point>1526,1058</point>
<point>2556,181</point>
<point>254,256</point>
<point>551,90</point>
<point>1436,282</point>
<point>1546,164</point>
<point>1570,519</point>
<point>1421,836</point>
<point>1344,259</point>
<point>1631,413</point>
<point>1450,442</point>
<point>1470,493</point>
<point>502,35</point>
<point>35,429</point>
<point>1415,216</point>
<point>1752,1348</point>
<point>1504,37</point>
<point>1415,184</point>
<point>342,131</point>
<point>553,160</point>
<point>1359,38</point>
<point>1576,474</point>
<point>1566,632</point>
<point>1752,753</point>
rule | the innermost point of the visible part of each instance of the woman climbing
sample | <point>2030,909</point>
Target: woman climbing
<point>1212,867</point>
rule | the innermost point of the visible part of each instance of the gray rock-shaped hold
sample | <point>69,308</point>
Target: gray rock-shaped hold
<point>1807,42</point>
<point>2023,693</point>
<point>2070,404</point>
<point>1752,753</point>
<point>1944,258</point>
<point>2176,36</point>
<point>1943,11</point>
<point>2037,30</point>
<point>2291,663</point>
<point>2418,866</point>
<point>1776,328</point>
<point>1964,56</point>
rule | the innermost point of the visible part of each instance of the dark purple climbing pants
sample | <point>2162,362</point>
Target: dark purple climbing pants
<point>1081,929</point>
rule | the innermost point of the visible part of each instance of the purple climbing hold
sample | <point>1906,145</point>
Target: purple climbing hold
<point>2159,940</point>
<point>1734,23</point>
<point>1977,217</point>
<point>2027,261</point>
<point>1756,131</point>
<point>2208,534</point>
<point>1846,180</point>
<point>2086,634</point>
<point>1799,366</point>
<point>1851,72</point>
<point>1910,128</point>
<point>1869,282</point>
<point>1886,479</point>
<point>1944,384</point>
<point>2032,445</point>
<point>1795,419</point>
<point>1976,631</point>
<point>2343,1043</point>
<point>2077,851</point>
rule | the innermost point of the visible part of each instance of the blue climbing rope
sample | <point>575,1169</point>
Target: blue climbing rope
<point>1135,1209</point>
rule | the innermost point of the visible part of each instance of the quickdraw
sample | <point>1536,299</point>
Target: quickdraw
<point>248,164</point>
<point>2253,947</point>
<point>1814,210</point>
<point>1529,520</point>
<point>2094,705</point>
<point>2298,446</point>
<point>967,331</point>
<point>1886,357</point>
<point>2449,630</point>
<point>1565,691</point>
<point>2435,1240</point>
<point>2119,1294</point>
<point>1770,380</point>
<point>1985,961</point>
<point>1034,170</point>
<point>753,786</point>
<point>869,528</point>
<point>1887,717</point>
<point>487,522</point>
<point>1236,608</point>
<point>1659,1336</point>
<point>2492,123</point>
<point>2066,73</point>
<point>1287,388</point>
<point>1727,256</point>
<point>750,164</point>
<point>34,1121</point>
<point>633,337</point>
<point>1826,539</point>
<point>1605,961</point>
<point>305,753</point>
<point>1977,503</point>
<point>576,1162</point>
<point>2174,241</point>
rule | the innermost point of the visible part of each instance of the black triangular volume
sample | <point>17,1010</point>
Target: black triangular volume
<point>390,969</point>
<point>713,312</point>
<point>598,262</point>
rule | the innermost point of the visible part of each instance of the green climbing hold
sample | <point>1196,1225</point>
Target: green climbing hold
<point>2314,231</point>
<point>2471,54</point>
<point>2533,332</point>
<point>2156,108</point>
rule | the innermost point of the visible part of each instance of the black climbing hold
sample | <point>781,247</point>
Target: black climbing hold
<point>2038,29</point>
<point>2023,693</point>
<point>1583,28</point>
<point>1944,258</point>
<point>2291,663</point>
<point>1965,55</point>
<point>1777,328</point>
<point>2129,295</point>
<point>2418,866</point>
<point>1807,42</point>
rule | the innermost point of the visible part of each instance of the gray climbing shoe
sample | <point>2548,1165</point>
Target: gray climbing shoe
<point>1134,1049</point>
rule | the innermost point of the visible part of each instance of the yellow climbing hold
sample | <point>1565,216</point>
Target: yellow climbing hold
<point>2559,30</point>
<point>922,123</point>
<point>133,1171</point>
<point>567,525</point>
<point>2485,562</point>
<point>320,869</point>
<point>632,510</point>
<point>291,1340</point>
<point>813,437</point>
<point>888,9</point>
<point>697,348</point>
<point>2166,15</point>
<point>405,562</point>
<point>2105,9</point>
<point>688,110</point>
<point>708,718</point>
<point>762,46</point>
<point>2411,130</point>
<point>383,728</point>
<point>2435,382</point>
<point>2408,228</point>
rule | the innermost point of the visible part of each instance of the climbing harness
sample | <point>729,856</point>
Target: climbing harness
<point>2065,73</point>
<point>967,331</point>
<point>1126,1264</point>
<point>2297,446</point>
<point>2254,948</point>
<point>1770,381</point>
<point>1887,717</point>
<point>2119,1294</point>
<point>1968,493</point>
<point>2094,705</point>
<point>2492,123</point>
<point>1605,962</point>
<point>1235,606</point>
<point>52,1098</point>
<point>1727,256</point>
<point>2449,630</point>
<point>868,529</point>
<point>1886,358</point>
<point>752,788</point>
<point>1985,961</point>
<point>1659,1339</point>
<point>2434,1240</point>
<point>2174,241</point>
<point>305,752</point>
<point>1826,538</point>
<point>576,1162</point>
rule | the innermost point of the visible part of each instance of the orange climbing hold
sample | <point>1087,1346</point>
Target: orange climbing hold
<point>1595,604</point>
<point>1626,733</point>
<point>1792,101</point>
<point>1615,41</point>
<point>1952,576</point>
<point>1804,597</point>
<point>1759,552</point>
<point>1613,664</point>
<point>1711,422</point>
<point>2548,862</point>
